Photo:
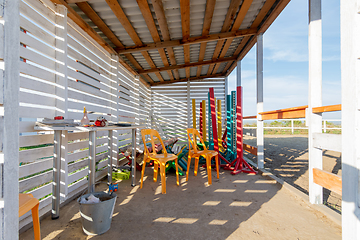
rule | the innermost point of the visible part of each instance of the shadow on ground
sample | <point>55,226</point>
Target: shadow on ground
<point>286,156</point>
<point>233,207</point>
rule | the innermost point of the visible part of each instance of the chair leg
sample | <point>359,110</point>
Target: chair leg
<point>156,170</point>
<point>217,165</point>
<point>208,166</point>
<point>163,179</point>
<point>36,222</point>
<point>188,167</point>
<point>177,171</point>
<point>196,166</point>
<point>142,173</point>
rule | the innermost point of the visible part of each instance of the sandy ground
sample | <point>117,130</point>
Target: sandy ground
<point>233,207</point>
<point>286,156</point>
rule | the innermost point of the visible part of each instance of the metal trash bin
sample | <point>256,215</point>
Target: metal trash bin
<point>96,217</point>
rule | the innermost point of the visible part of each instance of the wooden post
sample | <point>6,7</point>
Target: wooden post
<point>204,120</point>
<point>189,112</point>
<point>194,113</point>
<point>260,101</point>
<point>315,98</point>
<point>350,100</point>
<point>9,119</point>
<point>115,89</point>
<point>61,91</point>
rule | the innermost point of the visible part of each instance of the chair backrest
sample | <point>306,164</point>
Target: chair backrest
<point>153,134</point>
<point>192,134</point>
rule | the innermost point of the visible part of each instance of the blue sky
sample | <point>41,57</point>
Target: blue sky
<point>286,61</point>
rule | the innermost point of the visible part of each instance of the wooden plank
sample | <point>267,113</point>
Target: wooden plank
<point>328,180</point>
<point>87,98</point>
<point>42,191</point>
<point>249,117</point>
<point>239,19</point>
<point>85,79</point>
<point>36,31</point>
<point>327,141</point>
<point>36,44</point>
<point>36,58</point>
<point>284,115</point>
<point>197,79</point>
<point>250,149</point>
<point>35,112</point>
<point>330,108</point>
<point>34,140</point>
<point>32,168</point>
<point>32,98</point>
<point>89,72</point>
<point>42,8</point>
<point>221,60</point>
<point>40,20</point>
<point>35,181</point>
<point>36,85</point>
<point>161,18</point>
<point>36,72</point>
<point>31,155</point>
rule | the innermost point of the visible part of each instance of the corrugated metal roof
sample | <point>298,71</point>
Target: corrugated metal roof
<point>172,12</point>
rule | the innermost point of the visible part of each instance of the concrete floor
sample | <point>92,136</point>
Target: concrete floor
<point>233,207</point>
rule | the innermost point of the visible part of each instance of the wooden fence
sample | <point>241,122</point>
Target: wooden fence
<point>63,70</point>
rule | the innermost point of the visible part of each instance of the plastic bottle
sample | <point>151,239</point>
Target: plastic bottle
<point>85,120</point>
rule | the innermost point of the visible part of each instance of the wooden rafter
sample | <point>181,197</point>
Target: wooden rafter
<point>240,52</point>
<point>239,19</point>
<point>185,25</point>
<point>89,30</point>
<point>94,17</point>
<point>160,16</point>
<point>75,1</point>
<point>209,12</point>
<point>191,40</point>
<point>146,12</point>
<point>121,16</point>
<point>187,65</point>
<point>234,6</point>
<point>188,79</point>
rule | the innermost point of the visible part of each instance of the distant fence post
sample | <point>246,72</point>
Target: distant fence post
<point>324,126</point>
<point>292,126</point>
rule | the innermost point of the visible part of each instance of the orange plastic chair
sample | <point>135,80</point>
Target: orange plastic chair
<point>27,202</point>
<point>159,159</point>
<point>194,152</point>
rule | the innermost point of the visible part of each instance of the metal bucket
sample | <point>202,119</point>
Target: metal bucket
<point>96,217</point>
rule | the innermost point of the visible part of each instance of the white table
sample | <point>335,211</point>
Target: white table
<point>92,154</point>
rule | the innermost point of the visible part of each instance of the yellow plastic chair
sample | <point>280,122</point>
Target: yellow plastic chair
<point>27,202</point>
<point>194,152</point>
<point>159,159</point>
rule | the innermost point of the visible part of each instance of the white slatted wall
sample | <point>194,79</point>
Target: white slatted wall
<point>63,70</point>
<point>170,104</point>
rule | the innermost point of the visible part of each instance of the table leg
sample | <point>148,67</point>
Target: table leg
<point>92,156</point>
<point>56,175</point>
<point>110,155</point>
<point>133,163</point>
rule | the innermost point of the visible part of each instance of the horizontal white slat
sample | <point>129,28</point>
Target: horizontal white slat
<point>36,31</point>
<point>36,72</point>
<point>29,169</point>
<point>36,17</point>
<point>36,58</point>
<point>78,66</point>
<point>74,30</point>
<point>43,9</point>
<point>42,191</point>
<point>32,155</point>
<point>35,112</point>
<point>76,176</point>
<point>36,85</point>
<point>34,43</point>
<point>327,141</point>
<point>32,98</point>
<point>85,153</point>
<point>85,79</point>
<point>87,98</point>
<point>35,181</point>
<point>35,140</point>
<point>99,109</point>
<point>85,135</point>
<point>87,89</point>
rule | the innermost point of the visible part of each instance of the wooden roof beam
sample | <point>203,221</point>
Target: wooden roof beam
<point>160,16</point>
<point>247,43</point>
<point>239,19</point>
<point>193,79</point>
<point>187,65</point>
<point>209,12</point>
<point>94,17</point>
<point>146,12</point>
<point>121,16</point>
<point>89,30</point>
<point>234,6</point>
<point>185,25</point>
<point>191,40</point>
